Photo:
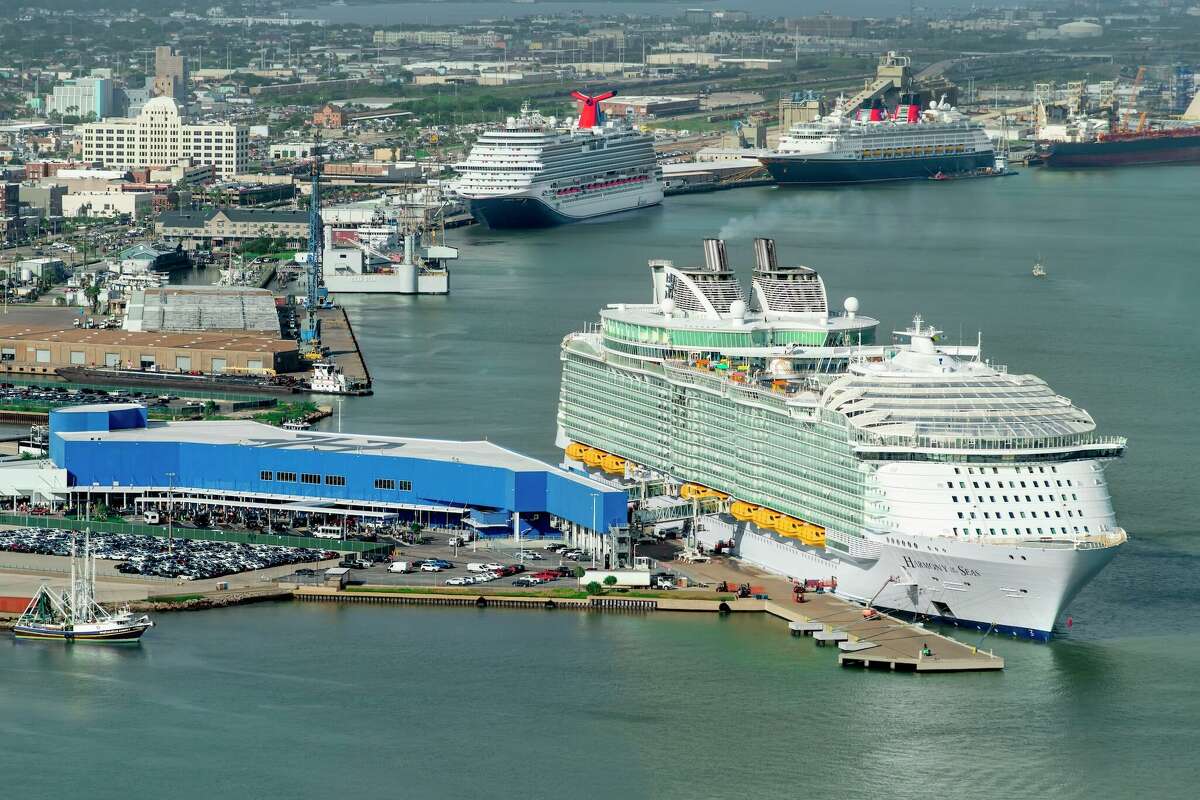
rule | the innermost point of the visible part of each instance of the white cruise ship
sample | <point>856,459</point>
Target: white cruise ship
<point>877,145</point>
<point>536,172</point>
<point>913,476</point>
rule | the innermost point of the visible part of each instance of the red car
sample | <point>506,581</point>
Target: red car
<point>547,575</point>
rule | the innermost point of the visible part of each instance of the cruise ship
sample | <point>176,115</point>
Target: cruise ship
<point>536,172</point>
<point>908,474</point>
<point>875,144</point>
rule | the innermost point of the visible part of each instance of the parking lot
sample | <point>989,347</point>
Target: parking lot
<point>533,556</point>
<point>508,562</point>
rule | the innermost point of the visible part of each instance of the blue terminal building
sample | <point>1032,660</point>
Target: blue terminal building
<point>112,452</point>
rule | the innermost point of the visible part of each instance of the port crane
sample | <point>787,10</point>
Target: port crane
<point>310,331</point>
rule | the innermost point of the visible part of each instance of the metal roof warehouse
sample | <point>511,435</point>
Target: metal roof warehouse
<point>114,449</point>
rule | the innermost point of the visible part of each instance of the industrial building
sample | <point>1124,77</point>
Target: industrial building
<point>25,350</point>
<point>180,309</point>
<point>113,453</point>
<point>657,106</point>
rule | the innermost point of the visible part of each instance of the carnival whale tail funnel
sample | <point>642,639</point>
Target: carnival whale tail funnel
<point>590,114</point>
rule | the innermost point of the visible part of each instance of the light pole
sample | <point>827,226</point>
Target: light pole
<point>170,512</point>
<point>595,497</point>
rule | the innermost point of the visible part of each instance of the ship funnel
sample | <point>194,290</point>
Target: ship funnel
<point>658,274</point>
<point>714,255</point>
<point>764,255</point>
<point>590,113</point>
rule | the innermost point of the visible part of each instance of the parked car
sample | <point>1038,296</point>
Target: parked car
<point>456,581</point>
<point>400,567</point>
<point>429,566</point>
<point>532,555</point>
<point>526,582</point>
<point>476,566</point>
<point>493,567</point>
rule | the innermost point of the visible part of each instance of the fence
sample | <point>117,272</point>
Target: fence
<point>210,535</point>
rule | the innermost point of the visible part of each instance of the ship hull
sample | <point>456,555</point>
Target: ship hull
<point>126,634</point>
<point>1124,152</point>
<point>1018,590</point>
<point>793,170</point>
<point>528,211</point>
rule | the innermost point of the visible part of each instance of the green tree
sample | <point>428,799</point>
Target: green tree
<point>594,588</point>
<point>610,581</point>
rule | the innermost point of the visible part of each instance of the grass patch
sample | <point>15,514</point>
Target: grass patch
<point>550,593</point>
<point>285,411</point>
<point>175,598</point>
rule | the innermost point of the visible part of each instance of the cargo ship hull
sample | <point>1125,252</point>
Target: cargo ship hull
<point>787,169</point>
<point>1124,152</point>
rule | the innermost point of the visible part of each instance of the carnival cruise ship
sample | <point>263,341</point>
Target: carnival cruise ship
<point>913,476</point>
<point>874,144</point>
<point>536,172</point>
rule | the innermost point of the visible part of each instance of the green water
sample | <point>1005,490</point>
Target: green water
<point>303,701</point>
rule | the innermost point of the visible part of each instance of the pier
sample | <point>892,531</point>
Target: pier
<point>338,335</point>
<point>877,641</point>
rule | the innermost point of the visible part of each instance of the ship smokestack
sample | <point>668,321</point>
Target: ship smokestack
<point>714,255</point>
<point>764,255</point>
<point>876,110</point>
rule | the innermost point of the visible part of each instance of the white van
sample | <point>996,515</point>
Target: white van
<point>477,566</point>
<point>152,517</point>
<point>400,566</point>
<point>328,532</point>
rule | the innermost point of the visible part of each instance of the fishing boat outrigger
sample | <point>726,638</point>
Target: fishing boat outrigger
<point>74,615</point>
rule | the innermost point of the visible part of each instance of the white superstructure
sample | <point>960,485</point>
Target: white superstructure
<point>537,171</point>
<point>874,144</point>
<point>916,476</point>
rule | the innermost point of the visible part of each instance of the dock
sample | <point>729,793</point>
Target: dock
<point>338,335</point>
<point>880,641</point>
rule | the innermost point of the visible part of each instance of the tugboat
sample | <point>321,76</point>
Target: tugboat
<point>74,615</point>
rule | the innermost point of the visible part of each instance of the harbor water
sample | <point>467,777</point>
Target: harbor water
<point>299,700</point>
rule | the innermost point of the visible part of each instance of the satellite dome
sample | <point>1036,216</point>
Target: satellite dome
<point>851,305</point>
<point>737,309</point>
<point>668,306</point>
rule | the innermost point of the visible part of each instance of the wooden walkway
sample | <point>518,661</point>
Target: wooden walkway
<point>882,641</point>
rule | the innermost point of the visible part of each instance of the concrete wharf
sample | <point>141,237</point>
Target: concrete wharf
<point>879,641</point>
<point>338,335</point>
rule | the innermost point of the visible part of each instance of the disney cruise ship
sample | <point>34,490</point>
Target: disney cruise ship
<point>534,172</point>
<point>913,476</point>
<point>877,145</point>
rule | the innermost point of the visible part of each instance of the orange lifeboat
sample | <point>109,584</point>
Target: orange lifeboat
<point>576,451</point>
<point>742,511</point>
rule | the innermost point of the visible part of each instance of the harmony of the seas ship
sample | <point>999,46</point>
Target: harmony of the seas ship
<point>536,172</point>
<point>876,144</point>
<point>913,476</point>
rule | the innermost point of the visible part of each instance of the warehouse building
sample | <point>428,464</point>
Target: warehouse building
<point>657,106</point>
<point>44,351</point>
<point>112,452</point>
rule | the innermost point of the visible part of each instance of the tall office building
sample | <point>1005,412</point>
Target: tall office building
<point>158,137</point>
<point>170,75</point>
<point>79,97</point>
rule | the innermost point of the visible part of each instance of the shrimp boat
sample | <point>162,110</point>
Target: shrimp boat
<point>74,615</point>
<point>1038,270</point>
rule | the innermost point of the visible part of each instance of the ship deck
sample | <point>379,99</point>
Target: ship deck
<point>883,642</point>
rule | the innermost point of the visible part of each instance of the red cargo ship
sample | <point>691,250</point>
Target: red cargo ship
<point>1163,146</point>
